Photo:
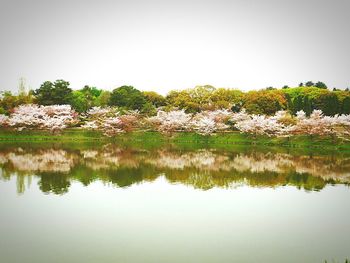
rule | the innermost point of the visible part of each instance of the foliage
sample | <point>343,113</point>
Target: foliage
<point>321,85</point>
<point>154,98</point>
<point>103,99</point>
<point>264,101</point>
<point>127,97</point>
<point>204,98</point>
<point>8,101</point>
<point>57,93</point>
<point>85,98</point>
<point>200,99</point>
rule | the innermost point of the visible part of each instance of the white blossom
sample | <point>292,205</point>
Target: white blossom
<point>3,120</point>
<point>171,121</point>
<point>54,118</point>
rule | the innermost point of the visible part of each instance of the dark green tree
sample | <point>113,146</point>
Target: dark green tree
<point>329,104</point>
<point>307,106</point>
<point>53,93</point>
<point>321,85</point>
<point>309,84</point>
<point>93,92</point>
<point>346,105</point>
<point>297,104</point>
<point>127,97</point>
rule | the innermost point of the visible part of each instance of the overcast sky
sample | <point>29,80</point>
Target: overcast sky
<point>162,45</point>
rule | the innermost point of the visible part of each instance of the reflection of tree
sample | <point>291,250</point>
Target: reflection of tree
<point>202,169</point>
<point>306,181</point>
<point>54,183</point>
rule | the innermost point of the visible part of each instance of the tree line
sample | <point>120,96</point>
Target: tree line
<point>308,96</point>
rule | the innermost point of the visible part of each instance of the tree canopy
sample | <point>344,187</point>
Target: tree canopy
<point>306,97</point>
<point>53,93</point>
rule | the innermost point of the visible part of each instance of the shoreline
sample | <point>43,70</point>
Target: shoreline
<point>225,138</point>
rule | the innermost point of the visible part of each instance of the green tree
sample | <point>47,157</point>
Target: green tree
<point>103,99</point>
<point>346,105</point>
<point>307,106</point>
<point>223,98</point>
<point>309,84</point>
<point>329,104</point>
<point>297,104</point>
<point>149,109</point>
<point>127,97</point>
<point>53,93</point>
<point>85,98</point>
<point>92,92</point>
<point>8,101</point>
<point>79,101</point>
<point>320,85</point>
<point>183,100</point>
<point>264,101</point>
<point>154,98</point>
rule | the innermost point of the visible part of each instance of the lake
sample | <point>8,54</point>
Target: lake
<point>94,202</point>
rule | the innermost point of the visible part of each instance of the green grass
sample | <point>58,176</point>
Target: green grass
<point>192,140</point>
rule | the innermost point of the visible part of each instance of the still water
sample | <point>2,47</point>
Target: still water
<point>113,203</point>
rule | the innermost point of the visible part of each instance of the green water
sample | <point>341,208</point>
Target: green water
<point>119,203</point>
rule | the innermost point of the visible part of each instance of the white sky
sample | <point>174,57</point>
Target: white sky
<point>164,45</point>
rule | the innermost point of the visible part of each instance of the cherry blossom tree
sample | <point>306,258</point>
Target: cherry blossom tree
<point>168,122</point>
<point>208,122</point>
<point>3,120</point>
<point>318,124</point>
<point>258,124</point>
<point>54,118</point>
<point>110,121</point>
<point>204,125</point>
<point>96,117</point>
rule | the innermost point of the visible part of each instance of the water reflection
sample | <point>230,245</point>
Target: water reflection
<point>203,169</point>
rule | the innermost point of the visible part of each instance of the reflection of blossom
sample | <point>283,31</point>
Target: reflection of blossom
<point>261,163</point>
<point>203,168</point>
<point>89,154</point>
<point>199,159</point>
<point>46,161</point>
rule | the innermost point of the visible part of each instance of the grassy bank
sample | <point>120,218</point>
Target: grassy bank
<point>140,137</point>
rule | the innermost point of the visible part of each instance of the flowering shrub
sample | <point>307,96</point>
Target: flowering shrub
<point>204,125</point>
<point>260,125</point>
<point>3,120</point>
<point>171,121</point>
<point>110,121</point>
<point>318,124</point>
<point>282,124</point>
<point>98,112</point>
<point>53,118</point>
<point>208,122</point>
